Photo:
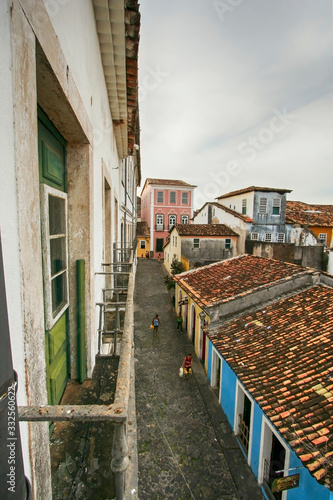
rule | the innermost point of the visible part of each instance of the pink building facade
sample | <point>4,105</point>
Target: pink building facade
<point>165,202</point>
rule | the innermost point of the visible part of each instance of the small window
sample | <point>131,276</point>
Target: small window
<point>160,196</point>
<point>244,204</point>
<point>142,244</point>
<point>254,236</point>
<point>263,205</point>
<point>172,197</point>
<point>175,241</point>
<point>55,253</point>
<point>280,238</point>
<point>184,219</point>
<point>323,238</point>
<point>276,206</point>
<point>227,243</point>
<point>268,236</point>
<point>196,243</point>
<point>184,198</point>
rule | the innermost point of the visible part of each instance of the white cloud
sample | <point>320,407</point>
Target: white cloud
<point>208,86</point>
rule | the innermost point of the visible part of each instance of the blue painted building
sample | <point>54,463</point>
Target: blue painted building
<point>273,371</point>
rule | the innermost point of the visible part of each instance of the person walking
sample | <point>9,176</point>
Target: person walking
<point>187,365</point>
<point>180,322</point>
<point>156,323</point>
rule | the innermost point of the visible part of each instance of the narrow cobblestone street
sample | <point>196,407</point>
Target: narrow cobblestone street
<point>186,449</point>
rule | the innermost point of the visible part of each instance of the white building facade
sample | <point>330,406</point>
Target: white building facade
<point>68,179</point>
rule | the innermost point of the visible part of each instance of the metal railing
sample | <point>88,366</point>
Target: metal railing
<point>110,327</point>
<point>117,412</point>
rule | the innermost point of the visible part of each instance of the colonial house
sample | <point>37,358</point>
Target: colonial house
<point>265,206</point>
<point>273,370</point>
<point>256,326</point>
<point>309,222</point>
<point>215,213</point>
<point>165,202</point>
<point>211,293</point>
<point>199,244</point>
<point>143,239</point>
<point>69,172</point>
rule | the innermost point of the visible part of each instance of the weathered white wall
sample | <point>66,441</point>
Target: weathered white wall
<point>9,218</point>
<point>71,82</point>
<point>74,24</point>
<point>220,216</point>
<point>301,236</point>
<point>235,203</point>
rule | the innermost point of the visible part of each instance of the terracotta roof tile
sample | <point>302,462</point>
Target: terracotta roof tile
<point>168,182</point>
<point>223,281</point>
<point>204,230</point>
<point>298,212</point>
<point>297,398</point>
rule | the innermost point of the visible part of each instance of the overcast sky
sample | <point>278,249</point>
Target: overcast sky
<point>235,93</point>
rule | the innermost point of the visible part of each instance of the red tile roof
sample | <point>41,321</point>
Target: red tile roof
<point>298,212</point>
<point>283,355</point>
<point>168,182</point>
<point>255,188</point>
<point>222,281</point>
<point>204,230</point>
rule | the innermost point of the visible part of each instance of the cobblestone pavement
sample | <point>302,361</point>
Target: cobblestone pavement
<point>186,449</point>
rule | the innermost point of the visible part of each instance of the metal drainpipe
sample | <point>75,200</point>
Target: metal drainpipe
<point>13,484</point>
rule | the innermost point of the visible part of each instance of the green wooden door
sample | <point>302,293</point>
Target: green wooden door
<point>56,360</point>
<point>52,172</point>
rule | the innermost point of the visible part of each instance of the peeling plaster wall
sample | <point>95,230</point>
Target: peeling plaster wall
<point>235,203</point>
<point>220,216</point>
<point>74,24</point>
<point>210,249</point>
<point>27,185</point>
<point>56,62</point>
<point>9,217</point>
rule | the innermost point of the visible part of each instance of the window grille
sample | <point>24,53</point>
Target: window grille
<point>159,222</point>
<point>172,221</point>
<point>323,238</point>
<point>243,433</point>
